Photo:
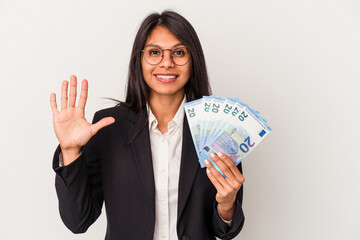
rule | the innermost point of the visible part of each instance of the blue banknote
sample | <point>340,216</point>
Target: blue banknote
<point>224,125</point>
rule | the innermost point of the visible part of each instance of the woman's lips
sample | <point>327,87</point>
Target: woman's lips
<point>166,78</point>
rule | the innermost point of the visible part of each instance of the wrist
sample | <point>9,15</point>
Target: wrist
<point>69,155</point>
<point>226,207</point>
<point>226,211</point>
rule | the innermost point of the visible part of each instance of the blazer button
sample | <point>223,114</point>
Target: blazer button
<point>185,237</point>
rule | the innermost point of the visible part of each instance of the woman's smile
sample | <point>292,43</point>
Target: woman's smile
<point>166,77</point>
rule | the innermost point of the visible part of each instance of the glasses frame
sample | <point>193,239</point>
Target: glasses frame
<point>162,54</point>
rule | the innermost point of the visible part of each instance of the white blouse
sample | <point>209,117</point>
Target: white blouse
<point>166,158</point>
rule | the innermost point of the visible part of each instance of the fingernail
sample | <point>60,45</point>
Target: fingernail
<point>206,161</point>
<point>207,170</point>
<point>219,154</point>
<point>212,154</point>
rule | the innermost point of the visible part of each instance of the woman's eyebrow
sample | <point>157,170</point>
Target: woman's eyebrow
<point>155,45</point>
<point>152,45</point>
<point>179,44</point>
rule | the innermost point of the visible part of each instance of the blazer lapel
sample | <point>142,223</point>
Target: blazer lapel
<point>188,168</point>
<point>141,150</point>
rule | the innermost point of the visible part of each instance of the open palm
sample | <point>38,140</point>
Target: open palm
<point>71,128</point>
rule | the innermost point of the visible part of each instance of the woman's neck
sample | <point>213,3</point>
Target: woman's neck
<point>164,108</point>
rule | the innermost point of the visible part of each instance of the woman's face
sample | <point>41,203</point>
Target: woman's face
<point>165,78</point>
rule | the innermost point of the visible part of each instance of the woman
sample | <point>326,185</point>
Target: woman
<point>138,157</point>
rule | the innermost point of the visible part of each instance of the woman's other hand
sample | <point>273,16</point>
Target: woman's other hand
<point>71,128</point>
<point>228,187</point>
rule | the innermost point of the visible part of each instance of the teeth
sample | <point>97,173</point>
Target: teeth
<point>166,77</point>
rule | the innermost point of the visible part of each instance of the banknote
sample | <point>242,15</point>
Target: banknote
<point>193,114</point>
<point>224,125</point>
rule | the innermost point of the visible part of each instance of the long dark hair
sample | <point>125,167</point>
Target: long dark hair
<point>138,91</point>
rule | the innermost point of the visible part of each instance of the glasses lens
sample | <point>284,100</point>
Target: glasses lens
<point>153,55</point>
<point>181,55</point>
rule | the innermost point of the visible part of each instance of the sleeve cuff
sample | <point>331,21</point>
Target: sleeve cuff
<point>61,161</point>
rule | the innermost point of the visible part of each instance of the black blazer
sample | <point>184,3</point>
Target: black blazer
<point>121,175</point>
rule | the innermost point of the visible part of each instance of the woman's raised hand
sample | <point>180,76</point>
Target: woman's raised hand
<point>71,128</point>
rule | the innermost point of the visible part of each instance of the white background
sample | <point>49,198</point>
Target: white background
<point>298,62</point>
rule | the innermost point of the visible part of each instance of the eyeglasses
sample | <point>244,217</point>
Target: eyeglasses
<point>153,54</point>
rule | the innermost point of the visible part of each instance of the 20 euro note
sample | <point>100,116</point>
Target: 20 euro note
<point>235,141</point>
<point>228,144</point>
<point>193,114</point>
<point>224,125</point>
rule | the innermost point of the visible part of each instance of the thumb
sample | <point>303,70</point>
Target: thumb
<point>100,124</point>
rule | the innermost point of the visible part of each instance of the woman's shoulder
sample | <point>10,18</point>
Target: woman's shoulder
<point>118,112</point>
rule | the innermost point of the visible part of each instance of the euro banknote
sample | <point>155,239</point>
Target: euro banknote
<point>224,125</point>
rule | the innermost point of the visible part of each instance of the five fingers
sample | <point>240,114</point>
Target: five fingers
<point>70,102</point>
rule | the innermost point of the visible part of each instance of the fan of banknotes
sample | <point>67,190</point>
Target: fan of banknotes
<point>224,125</point>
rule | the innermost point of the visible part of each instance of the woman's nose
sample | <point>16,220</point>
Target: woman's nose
<point>167,60</point>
